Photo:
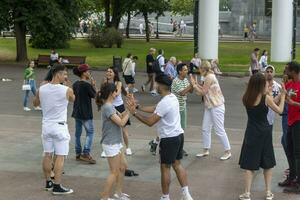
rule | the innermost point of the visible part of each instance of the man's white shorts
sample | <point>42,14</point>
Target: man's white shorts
<point>112,150</point>
<point>56,138</point>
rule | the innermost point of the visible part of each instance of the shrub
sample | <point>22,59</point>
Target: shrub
<point>105,37</point>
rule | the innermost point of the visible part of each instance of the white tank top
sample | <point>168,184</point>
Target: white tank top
<point>118,100</point>
<point>54,102</point>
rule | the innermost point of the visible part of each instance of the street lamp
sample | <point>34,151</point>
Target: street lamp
<point>196,22</point>
<point>295,5</point>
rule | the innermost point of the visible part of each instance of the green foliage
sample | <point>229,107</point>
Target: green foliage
<point>105,37</point>
<point>182,7</point>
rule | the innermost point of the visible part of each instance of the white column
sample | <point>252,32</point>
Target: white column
<point>282,30</point>
<point>208,43</point>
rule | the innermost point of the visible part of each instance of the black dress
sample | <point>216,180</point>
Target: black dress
<point>257,150</point>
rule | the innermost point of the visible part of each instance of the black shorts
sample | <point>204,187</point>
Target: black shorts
<point>150,70</point>
<point>129,79</point>
<point>121,109</point>
<point>171,149</point>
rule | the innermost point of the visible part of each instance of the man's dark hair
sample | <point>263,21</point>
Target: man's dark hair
<point>57,68</point>
<point>160,51</point>
<point>180,66</point>
<point>164,80</point>
<point>256,49</point>
<point>128,55</point>
<point>293,67</point>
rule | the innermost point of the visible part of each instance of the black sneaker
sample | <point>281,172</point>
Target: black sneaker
<point>153,147</point>
<point>288,182</point>
<point>295,189</point>
<point>58,189</point>
<point>49,185</point>
<point>184,153</point>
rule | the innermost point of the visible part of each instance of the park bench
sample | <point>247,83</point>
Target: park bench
<point>8,34</point>
<point>72,60</point>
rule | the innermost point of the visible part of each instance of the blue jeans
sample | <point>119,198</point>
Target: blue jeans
<point>89,129</point>
<point>33,90</point>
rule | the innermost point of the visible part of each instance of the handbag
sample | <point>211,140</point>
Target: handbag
<point>26,87</point>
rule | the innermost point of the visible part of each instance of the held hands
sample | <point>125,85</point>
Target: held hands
<point>131,105</point>
<point>193,81</point>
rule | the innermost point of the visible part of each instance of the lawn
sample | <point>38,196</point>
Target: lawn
<point>234,56</point>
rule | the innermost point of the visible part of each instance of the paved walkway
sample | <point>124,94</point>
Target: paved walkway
<point>210,179</point>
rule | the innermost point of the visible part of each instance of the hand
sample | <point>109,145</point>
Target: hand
<point>68,83</point>
<point>192,80</point>
<point>283,89</point>
<point>93,82</point>
<point>131,105</point>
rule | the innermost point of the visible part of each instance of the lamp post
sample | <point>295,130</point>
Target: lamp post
<point>295,5</point>
<point>157,36</point>
<point>196,22</point>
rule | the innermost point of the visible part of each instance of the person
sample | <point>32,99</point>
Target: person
<point>220,31</point>
<point>284,125</point>
<point>195,63</point>
<point>273,89</point>
<point>263,61</point>
<point>84,90</point>
<point>128,72</point>
<point>134,63</point>
<point>254,64</point>
<point>111,141</point>
<point>257,149</point>
<point>214,111</point>
<point>54,58</point>
<point>215,66</point>
<point>170,69</point>
<point>181,27</point>
<point>29,78</point>
<point>161,59</point>
<point>141,28</point>
<point>180,88</point>
<point>54,98</point>
<point>167,117</point>
<point>150,72</point>
<point>246,32</point>
<point>112,76</point>
<point>292,183</point>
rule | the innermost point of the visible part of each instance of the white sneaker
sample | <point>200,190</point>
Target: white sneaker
<point>226,156</point>
<point>37,108</point>
<point>186,197</point>
<point>204,154</point>
<point>135,90</point>
<point>27,109</point>
<point>103,155</point>
<point>128,152</point>
<point>122,197</point>
<point>154,93</point>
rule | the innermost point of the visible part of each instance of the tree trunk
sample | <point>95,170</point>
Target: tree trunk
<point>116,14</point>
<point>107,12</point>
<point>128,23</point>
<point>20,30</point>
<point>146,26</point>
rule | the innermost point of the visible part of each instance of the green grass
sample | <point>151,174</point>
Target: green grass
<point>234,56</point>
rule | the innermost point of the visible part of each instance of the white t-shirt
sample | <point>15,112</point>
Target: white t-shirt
<point>54,102</point>
<point>161,61</point>
<point>169,124</point>
<point>276,87</point>
<point>54,56</point>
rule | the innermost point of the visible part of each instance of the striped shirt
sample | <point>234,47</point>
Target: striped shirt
<point>179,85</point>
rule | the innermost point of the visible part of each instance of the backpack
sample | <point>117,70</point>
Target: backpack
<point>156,66</point>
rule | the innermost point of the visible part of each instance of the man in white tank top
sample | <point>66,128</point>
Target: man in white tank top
<point>54,97</point>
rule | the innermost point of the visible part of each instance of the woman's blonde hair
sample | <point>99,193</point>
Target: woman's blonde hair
<point>206,66</point>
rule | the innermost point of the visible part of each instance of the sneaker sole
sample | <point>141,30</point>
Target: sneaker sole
<point>48,189</point>
<point>62,193</point>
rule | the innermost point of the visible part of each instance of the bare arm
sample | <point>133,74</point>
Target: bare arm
<point>147,109</point>
<point>70,95</point>
<point>276,108</point>
<point>148,120</point>
<point>189,89</point>
<point>119,87</point>
<point>120,120</point>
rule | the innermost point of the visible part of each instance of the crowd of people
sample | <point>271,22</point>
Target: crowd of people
<point>173,80</point>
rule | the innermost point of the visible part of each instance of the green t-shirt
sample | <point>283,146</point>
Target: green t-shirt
<point>179,85</point>
<point>29,73</point>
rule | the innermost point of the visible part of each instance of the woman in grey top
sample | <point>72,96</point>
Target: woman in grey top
<point>112,123</point>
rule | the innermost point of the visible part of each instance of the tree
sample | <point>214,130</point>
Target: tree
<point>182,7</point>
<point>146,7</point>
<point>50,22</point>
